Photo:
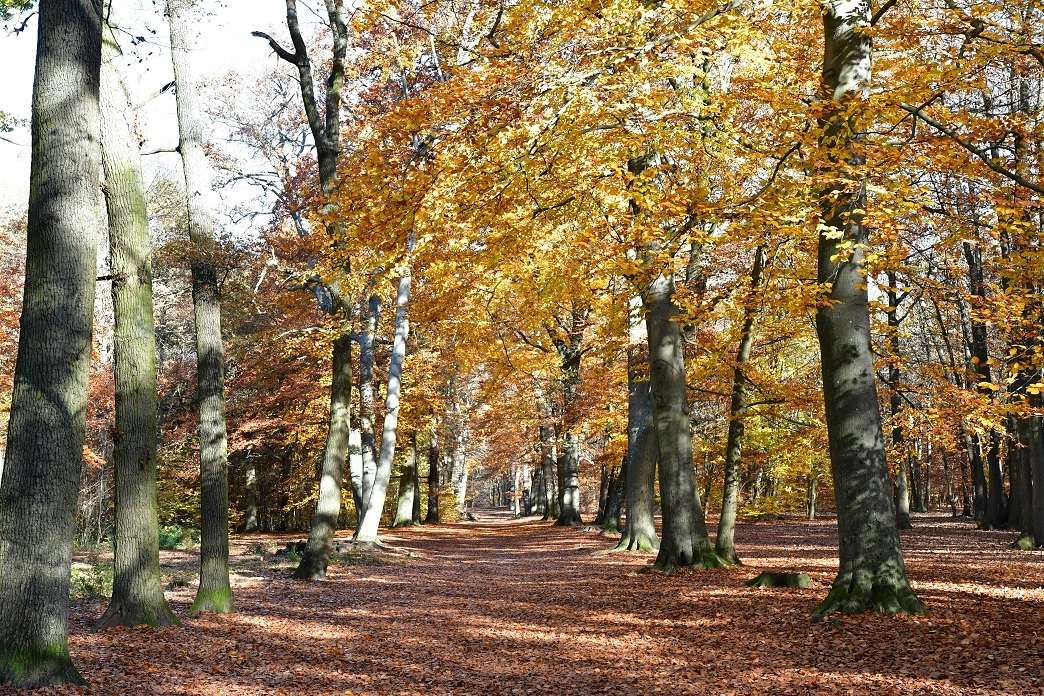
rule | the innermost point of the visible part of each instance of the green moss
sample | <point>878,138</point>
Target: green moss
<point>1025,543</point>
<point>38,667</point>
<point>770,579</point>
<point>217,600</point>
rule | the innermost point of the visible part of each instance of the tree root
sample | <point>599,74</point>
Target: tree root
<point>33,669</point>
<point>121,613</point>
<point>883,596</point>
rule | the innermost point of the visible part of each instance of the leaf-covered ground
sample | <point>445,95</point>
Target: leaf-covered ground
<point>510,607</point>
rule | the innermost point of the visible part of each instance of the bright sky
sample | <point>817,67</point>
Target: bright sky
<point>226,46</point>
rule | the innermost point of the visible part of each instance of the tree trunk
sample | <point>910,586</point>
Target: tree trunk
<point>434,481</point>
<point>642,450</point>
<point>569,493</point>
<point>44,453</point>
<point>547,467</point>
<point>872,575</point>
<point>995,512</point>
<point>215,592</point>
<point>407,488</point>
<point>902,501</point>
<point>614,499</point>
<point>725,545</point>
<point>374,503</point>
<point>1035,455</point>
<point>684,541</point>
<point>316,556</point>
<point>355,469</point>
<point>366,399</point>
<point>137,593</point>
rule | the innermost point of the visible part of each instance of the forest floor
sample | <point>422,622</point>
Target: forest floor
<point>517,607</point>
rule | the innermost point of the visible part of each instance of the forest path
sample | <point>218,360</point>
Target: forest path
<point>514,607</point>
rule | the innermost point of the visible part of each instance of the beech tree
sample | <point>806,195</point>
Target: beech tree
<point>215,591</point>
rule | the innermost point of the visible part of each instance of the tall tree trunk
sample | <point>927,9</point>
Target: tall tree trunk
<point>251,519</point>
<point>547,467</point>
<point>569,493</point>
<point>684,541</point>
<point>614,499</point>
<point>1035,455</point>
<point>137,593</point>
<point>407,488</point>
<point>434,480</point>
<point>316,557</point>
<point>44,453</point>
<point>215,592</point>
<point>642,450</point>
<point>902,502</point>
<point>725,544</point>
<point>355,469</point>
<point>872,574</point>
<point>366,399</point>
<point>374,503</point>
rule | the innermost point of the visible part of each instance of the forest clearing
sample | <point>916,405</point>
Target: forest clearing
<point>516,607</point>
<point>522,346</point>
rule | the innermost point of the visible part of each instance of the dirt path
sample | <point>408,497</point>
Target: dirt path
<point>510,607</point>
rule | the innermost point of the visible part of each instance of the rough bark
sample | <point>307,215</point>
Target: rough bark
<point>684,541</point>
<point>44,452</point>
<point>725,543</point>
<point>374,502</point>
<point>316,556</point>
<point>215,592</point>
<point>642,450</point>
<point>872,575</point>
<point>137,593</point>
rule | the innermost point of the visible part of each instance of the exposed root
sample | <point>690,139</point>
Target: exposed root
<point>883,596</point>
<point>34,669</point>
<point>121,613</point>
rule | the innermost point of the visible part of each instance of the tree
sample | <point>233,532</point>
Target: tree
<point>872,575</point>
<point>44,455</point>
<point>215,591</point>
<point>325,127</point>
<point>137,595</point>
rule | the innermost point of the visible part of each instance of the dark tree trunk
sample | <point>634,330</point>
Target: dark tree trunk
<point>995,512</point>
<point>614,499</point>
<point>725,544</point>
<point>137,593</point>
<point>872,575</point>
<point>684,541</point>
<point>407,488</point>
<point>316,556</point>
<point>902,498</point>
<point>434,482</point>
<point>215,592</point>
<point>44,453</point>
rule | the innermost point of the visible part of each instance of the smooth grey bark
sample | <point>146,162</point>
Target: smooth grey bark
<point>137,593</point>
<point>374,502</point>
<point>251,521</point>
<point>434,481</point>
<point>215,591</point>
<point>872,575</point>
<point>44,453</point>
<point>902,498</point>
<point>366,398</point>
<point>355,469</point>
<point>684,541</point>
<point>316,556</point>
<point>407,498</point>
<point>612,516</point>
<point>642,449</point>
<point>725,543</point>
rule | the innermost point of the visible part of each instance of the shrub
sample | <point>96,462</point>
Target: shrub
<point>175,536</point>
<point>90,581</point>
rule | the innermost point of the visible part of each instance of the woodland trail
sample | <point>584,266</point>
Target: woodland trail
<point>513,607</point>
